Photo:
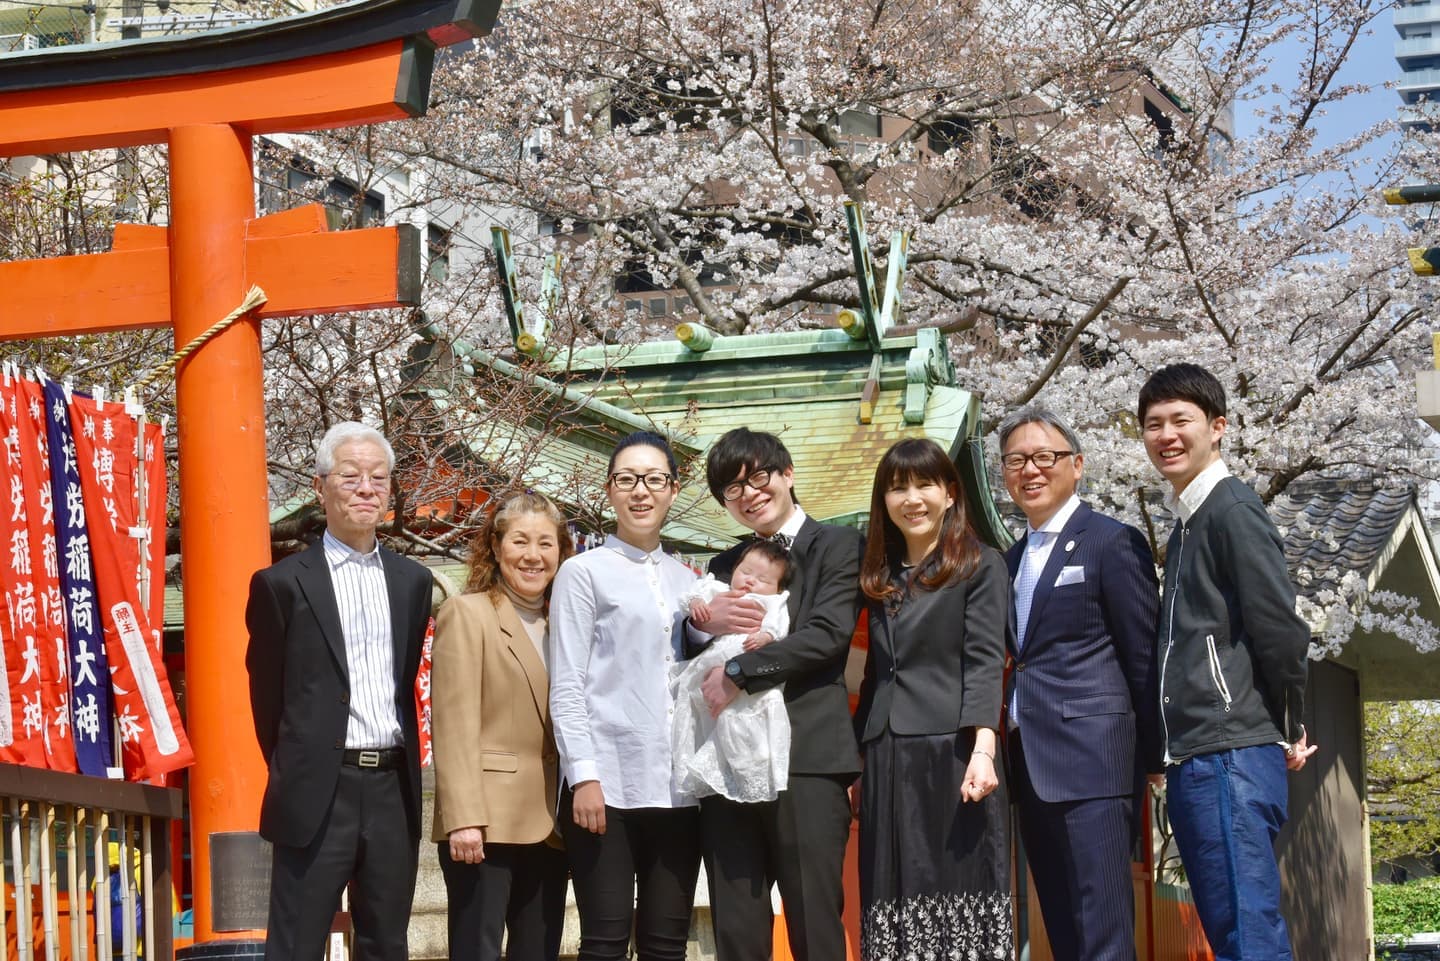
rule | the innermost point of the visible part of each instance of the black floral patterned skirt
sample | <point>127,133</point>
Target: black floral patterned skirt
<point>934,873</point>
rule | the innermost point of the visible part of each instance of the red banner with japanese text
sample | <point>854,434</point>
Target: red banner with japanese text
<point>153,742</point>
<point>422,694</point>
<point>44,570</point>
<point>24,664</point>
<point>153,545</point>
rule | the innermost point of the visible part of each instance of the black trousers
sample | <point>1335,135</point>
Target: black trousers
<point>364,841</point>
<point>1079,855</point>
<point>641,871</point>
<point>797,842</point>
<point>519,888</point>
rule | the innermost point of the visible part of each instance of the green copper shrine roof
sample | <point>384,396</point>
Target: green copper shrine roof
<point>806,387</point>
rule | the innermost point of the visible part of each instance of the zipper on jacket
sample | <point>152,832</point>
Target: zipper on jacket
<point>1216,673</point>
<point>1170,642</point>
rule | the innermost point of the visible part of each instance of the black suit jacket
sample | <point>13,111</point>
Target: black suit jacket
<point>300,685</point>
<point>1087,675</point>
<point>810,660</point>
<point>935,665</point>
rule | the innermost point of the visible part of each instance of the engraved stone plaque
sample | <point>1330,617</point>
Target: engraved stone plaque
<point>239,880</point>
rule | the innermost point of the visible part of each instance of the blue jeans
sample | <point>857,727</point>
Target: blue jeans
<point>1226,809</point>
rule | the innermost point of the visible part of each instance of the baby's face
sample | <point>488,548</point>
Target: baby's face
<point>757,575</point>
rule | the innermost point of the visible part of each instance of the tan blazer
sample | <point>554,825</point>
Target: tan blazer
<point>496,766</point>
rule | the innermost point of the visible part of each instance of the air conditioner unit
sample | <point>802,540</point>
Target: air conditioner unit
<point>15,42</point>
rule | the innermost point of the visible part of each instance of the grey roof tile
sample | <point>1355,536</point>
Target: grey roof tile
<point>1332,527</point>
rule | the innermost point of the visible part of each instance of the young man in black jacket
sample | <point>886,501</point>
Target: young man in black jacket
<point>1232,671</point>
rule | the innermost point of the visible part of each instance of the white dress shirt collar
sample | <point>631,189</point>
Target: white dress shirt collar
<point>793,523</point>
<point>1059,519</point>
<point>1195,492</point>
<point>338,552</point>
<point>631,552</point>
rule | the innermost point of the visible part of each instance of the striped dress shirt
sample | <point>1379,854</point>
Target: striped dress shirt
<point>364,604</point>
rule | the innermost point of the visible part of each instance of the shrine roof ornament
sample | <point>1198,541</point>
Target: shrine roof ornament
<point>838,397</point>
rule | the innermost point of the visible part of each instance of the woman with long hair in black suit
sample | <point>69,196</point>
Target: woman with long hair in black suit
<point>934,848</point>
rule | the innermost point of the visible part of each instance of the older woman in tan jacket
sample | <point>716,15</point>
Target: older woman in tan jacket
<point>495,758</point>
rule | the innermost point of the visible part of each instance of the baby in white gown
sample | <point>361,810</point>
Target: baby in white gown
<point>744,754</point>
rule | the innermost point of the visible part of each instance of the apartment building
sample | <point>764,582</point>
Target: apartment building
<point>1418,53</point>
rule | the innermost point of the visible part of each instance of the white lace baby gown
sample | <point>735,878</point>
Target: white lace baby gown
<point>744,754</point>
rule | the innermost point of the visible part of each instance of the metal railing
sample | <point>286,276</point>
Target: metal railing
<point>86,867</point>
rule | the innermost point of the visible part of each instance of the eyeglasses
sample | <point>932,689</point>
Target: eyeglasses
<point>351,481</point>
<point>655,480</point>
<point>757,480</point>
<point>1043,459</point>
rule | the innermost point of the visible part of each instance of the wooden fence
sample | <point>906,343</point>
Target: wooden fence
<point>86,867</point>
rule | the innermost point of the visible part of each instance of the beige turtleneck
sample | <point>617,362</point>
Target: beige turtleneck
<point>532,616</point>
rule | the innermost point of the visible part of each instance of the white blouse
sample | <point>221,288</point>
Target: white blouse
<point>615,623</point>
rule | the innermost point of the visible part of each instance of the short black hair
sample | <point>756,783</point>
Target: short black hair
<point>771,551</point>
<point>743,450</point>
<point>644,438</point>
<point>1188,382</point>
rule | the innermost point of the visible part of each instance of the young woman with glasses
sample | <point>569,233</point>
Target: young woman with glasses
<point>615,621</point>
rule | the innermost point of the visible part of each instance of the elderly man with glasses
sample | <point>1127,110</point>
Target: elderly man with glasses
<point>335,638</point>
<point>1081,709</point>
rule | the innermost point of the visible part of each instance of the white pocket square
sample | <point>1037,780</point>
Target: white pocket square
<point>1070,575</point>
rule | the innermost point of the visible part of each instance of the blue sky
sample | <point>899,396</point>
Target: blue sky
<point>1371,62</point>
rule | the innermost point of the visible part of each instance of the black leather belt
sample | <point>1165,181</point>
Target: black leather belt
<point>383,758</point>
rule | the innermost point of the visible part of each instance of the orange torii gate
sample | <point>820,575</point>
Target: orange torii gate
<point>207,96</point>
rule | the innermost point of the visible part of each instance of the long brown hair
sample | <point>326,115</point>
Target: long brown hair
<point>484,567</point>
<point>958,551</point>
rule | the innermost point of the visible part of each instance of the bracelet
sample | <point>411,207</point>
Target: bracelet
<point>983,754</point>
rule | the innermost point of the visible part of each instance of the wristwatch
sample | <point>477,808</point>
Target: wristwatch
<point>735,673</point>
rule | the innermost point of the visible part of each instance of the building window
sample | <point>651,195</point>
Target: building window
<point>345,204</point>
<point>551,227</point>
<point>289,180</point>
<point>1024,179</point>
<point>949,133</point>
<point>437,252</point>
<point>1164,127</point>
<point>667,96</point>
<point>859,123</point>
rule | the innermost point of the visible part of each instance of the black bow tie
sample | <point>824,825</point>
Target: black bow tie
<point>784,540</point>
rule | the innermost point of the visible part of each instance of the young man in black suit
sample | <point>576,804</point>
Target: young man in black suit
<point>335,638</point>
<point>1082,725</point>
<point>798,840</point>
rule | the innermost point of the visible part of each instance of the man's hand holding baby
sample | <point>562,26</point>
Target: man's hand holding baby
<point>729,613</point>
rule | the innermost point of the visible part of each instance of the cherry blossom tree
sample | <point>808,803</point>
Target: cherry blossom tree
<point>1083,206</point>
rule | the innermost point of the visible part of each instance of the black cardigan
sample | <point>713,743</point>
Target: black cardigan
<point>1232,648</point>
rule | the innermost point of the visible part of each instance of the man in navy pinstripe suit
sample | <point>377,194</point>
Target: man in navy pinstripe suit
<point>1081,701</point>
